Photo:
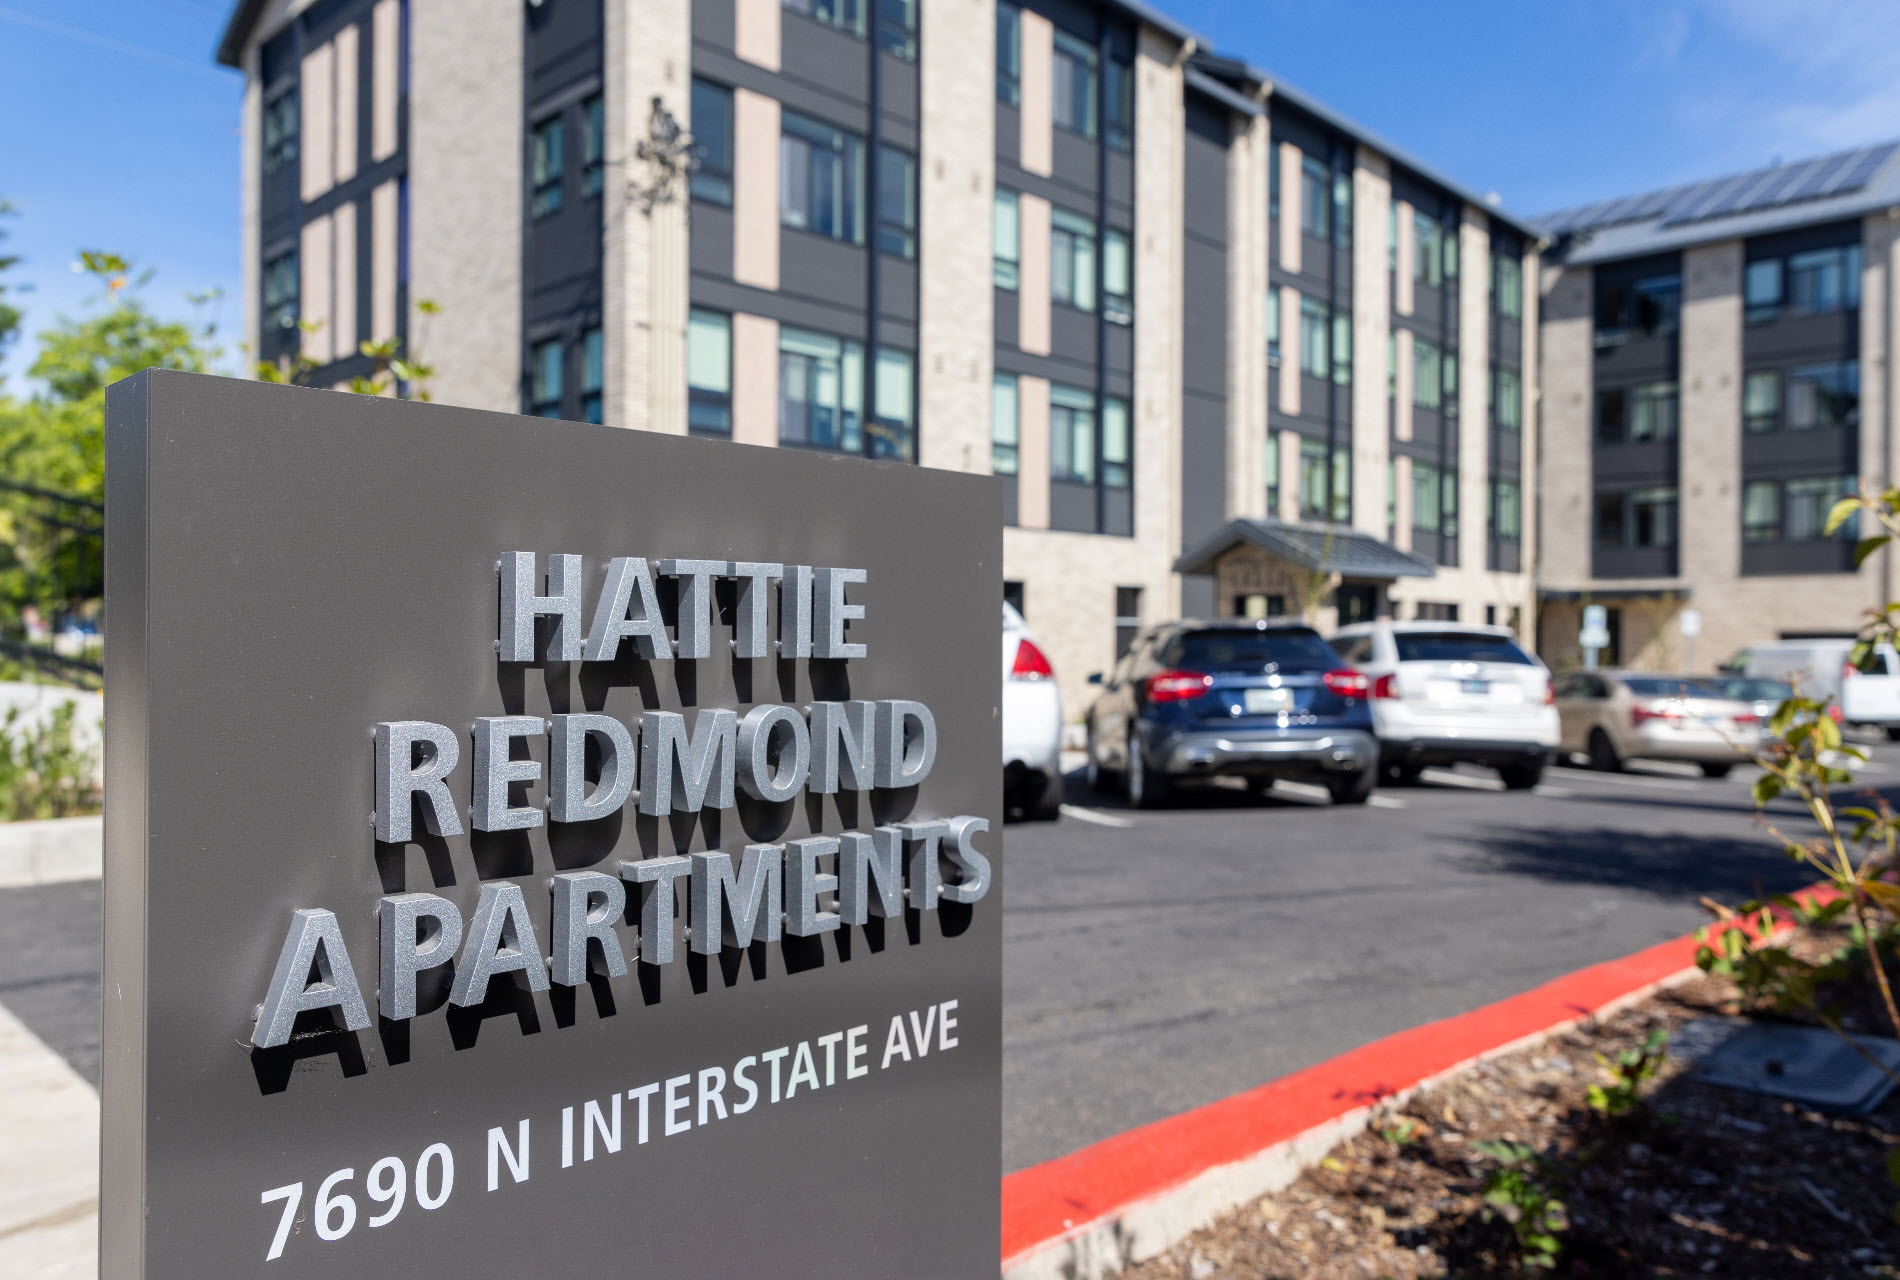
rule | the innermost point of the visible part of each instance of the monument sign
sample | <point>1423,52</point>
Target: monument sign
<point>542,849</point>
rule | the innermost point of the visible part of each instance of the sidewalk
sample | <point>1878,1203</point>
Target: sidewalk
<point>49,1162</point>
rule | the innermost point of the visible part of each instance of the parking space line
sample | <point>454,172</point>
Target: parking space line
<point>1378,801</point>
<point>1303,791</point>
<point>1080,814</point>
<point>1450,779</point>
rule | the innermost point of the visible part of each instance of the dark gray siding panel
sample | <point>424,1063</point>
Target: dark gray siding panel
<point>1510,345</point>
<point>1071,506</point>
<point>1118,513</point>
<point>820,268</point>
<point>1009,135</point>
<point>1121,186</point>
<point>1074,160</point>
<point>823,57</point>
<point>1816,451</point>
<point>1121,351</point>
<point>1633,562</point>
<point>1009,314</point>
<point>897,288</point>
<point>713,23</point>
<point>1072,335</point>
<point>711,240</point>
<point>1508,459</point>
<point>1203,467</point>
<point>1638,463</point>
<point>897,88</point>
<point>1197,598</point>
<point>1770,558</point>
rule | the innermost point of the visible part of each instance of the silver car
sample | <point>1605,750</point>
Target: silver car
<point>1613,716</point>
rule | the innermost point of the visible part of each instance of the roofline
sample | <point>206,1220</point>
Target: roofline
<point>237,31</point>
<point>1155,18</point>
<point>1276,88</point>
<point>1226,95</point>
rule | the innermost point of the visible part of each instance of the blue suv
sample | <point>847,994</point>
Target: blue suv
<point>1256,700</point>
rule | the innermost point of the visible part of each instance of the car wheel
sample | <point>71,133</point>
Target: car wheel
<point>1716,770</point>
<point>1603,755</point>
<point>1402,774</point>
<point>1521,777</point>
<point>1146,790</point>
<point>1893,733</point>
<point>1047,804</point>
<point>1354,788</point>
<point>1092,771</point>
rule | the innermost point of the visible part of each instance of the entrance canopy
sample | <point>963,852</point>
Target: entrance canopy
<point>1316,548</point>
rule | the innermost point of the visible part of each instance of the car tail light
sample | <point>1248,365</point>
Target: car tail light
<point>1030,664</point>
<point>1346,682</point>
<point>1550,693</point>
<point>1747,720</point>
<point>1640,714</point>
<point>1387,686</point>
<point>1177,686</point>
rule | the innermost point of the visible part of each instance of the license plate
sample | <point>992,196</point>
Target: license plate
<point>1265,701</point>
<point>1474,686</point>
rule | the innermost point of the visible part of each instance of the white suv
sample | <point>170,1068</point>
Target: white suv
<point>1443,692</point>
<point>1032,724</point>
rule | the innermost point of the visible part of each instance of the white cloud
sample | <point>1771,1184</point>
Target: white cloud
<point>1835,65</point>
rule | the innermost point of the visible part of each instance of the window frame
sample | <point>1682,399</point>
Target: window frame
<point>1082,62</point>
<point>281,313</point>
<point>1073,421</point>
<point>711,177</point>
<point>547,378</point>
<point>841,15</point>
<point>714,400</point>
<point>1009,53</point>
<point>1072,268</point>
<point>1508,300</point>
<point>1316,203</point>
<point>281,149</point>
<point>895,22</point>
<point>901,233</point>
<point>1759,421</point>
<point>816,139</point>
<point>547,166</point>
<point>806,349</point>
<point>593,147</point>
<point>1006,269</point>
<point>1006,444</point>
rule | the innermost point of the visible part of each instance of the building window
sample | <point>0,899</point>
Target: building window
<point>1120,108</point>
<point>1315,184</point>
<point>280,125</point>
<point>1508,288</point>
<point>280,293</point>
<point>1806,502</point>
<point>545,164</point>
<point>1427,488</point>
<point>1313,504</point>
<point>821,176</point>
<point>1117,279</point>
<point>1428,250</point>
<point>1507,399</point>
<point>1127,619</point>
<point>1824,280</point>
<point>712,139</point>
<point>1507,509</point>
<point>1823,395</point>
<point>593,375</point>
<point>1650,307</point>
<point>1005,425</point>
<point>1342,208</point>
<point>1006,234</point>
<point>545,367</point>
<point>845,15</point>
<point>1644,518</point>
<point>897,28</point>
<point>1009,54</point>
<point>1071,435</point>
<point>1314,358</point>
<point>1342,347</point>
<point>1761,511</point>
<point>1073,81</point>
<point>1273,475</point>
<point>1273,185</point>
<point>1761,289</point>
<point>1115,443</point>
<point>1273,324</point>
<point>593,146</point>
<point>1428,374</point>
<point>896,202</point>
<point>1761,401</point>
<point>820,391</point>
<point>709,372</point>
<point>893,428</point>
<point>1635,414</point>
<point>1392,236</point>
<point>1071,260</point>
<point>1258,606</point>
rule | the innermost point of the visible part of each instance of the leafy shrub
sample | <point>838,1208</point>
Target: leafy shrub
<point>44,772</point>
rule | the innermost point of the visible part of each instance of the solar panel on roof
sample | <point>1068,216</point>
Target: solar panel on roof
<point>1817,178</point>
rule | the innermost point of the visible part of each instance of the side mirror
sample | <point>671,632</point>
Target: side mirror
<point>1095,677</point>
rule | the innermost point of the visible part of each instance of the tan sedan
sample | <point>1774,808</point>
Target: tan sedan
<point>1613,716</point>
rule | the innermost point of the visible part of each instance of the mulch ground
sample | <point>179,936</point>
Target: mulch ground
<point>1698,1180</point>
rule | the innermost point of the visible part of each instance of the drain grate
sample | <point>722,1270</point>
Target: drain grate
<point>1807,1065</point>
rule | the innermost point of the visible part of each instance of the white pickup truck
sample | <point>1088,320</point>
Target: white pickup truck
<point>1867,694</point>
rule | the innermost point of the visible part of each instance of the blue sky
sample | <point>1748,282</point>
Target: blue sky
<point>132,143</point>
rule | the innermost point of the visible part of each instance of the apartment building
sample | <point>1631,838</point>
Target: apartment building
<point>1219,343</point>
<point>1718,364</point>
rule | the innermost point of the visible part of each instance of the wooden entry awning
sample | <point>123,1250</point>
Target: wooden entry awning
<point>1318,548</point>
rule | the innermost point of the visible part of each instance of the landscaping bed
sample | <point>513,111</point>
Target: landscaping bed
<point>1693,1179</point>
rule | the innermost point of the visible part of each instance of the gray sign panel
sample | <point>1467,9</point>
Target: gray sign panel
<point>421,955</point>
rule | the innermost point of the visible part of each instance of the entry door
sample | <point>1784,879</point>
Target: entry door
<point>1357,602</point>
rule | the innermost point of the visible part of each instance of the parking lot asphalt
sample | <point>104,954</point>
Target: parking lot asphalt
<point>1155,961</point>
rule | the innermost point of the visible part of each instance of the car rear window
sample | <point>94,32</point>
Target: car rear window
<point>1457,646</point>
<point>1289,648</point>
<point>1671,687</point>
<point>1750,690</point>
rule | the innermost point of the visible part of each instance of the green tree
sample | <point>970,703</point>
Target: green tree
<point>52,444</point>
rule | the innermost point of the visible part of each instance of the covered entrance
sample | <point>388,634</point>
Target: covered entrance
<point>1327,575</point>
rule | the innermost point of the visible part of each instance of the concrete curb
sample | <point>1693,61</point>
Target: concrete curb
<point>1130,1197</point>
<point>51,851</point>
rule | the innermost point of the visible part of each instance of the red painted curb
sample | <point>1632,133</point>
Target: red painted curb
<point>1048,1201</point>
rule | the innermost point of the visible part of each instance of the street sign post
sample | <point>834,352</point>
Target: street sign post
<point>544,849</point>
<point>1594,636</point>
